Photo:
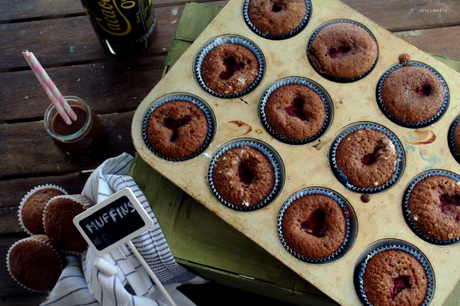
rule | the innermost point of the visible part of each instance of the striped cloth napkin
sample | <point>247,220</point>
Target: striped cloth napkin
<point>85,283</point>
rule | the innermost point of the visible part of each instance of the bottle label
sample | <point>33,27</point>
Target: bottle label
<point>120,21</point>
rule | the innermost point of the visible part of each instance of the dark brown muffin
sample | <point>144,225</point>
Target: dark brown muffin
<point>177,129</point>
<point>58,220</point>
<point>395,277</point>
<point>243,176</point>
<point>229,69</point>
<point>314,226</point>
<point>277,17</point>
<point>343,51</point>
<point>295,111</point>
<point>31,211</point>
<point>412,94</point>
<point>368,158</point>
<point>34,264</point>
<point>434,204</point>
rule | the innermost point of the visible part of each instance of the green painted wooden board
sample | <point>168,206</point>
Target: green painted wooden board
<point>214,249</point>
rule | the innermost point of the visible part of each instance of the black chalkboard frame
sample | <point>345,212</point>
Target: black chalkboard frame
<point>96,210</point>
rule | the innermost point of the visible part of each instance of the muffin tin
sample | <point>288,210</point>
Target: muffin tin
<point>308,165</point>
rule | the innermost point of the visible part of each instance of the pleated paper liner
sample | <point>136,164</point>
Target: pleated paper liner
<point>27,196</point>
<point>420,124</point>
<point>451,139</point>
<point>40,239</point>
<point>272,156</point>
<point>233,39</point>
<point>407,212</point>
<point>395,245</point>
<point>350,221</point>
<point>367,126</point>
<point>318,89</point>
<point>334,79</point>
<point>289,34</point>
<point>197,102</point>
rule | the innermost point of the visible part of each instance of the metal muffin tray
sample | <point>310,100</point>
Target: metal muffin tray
<point>376,223</point>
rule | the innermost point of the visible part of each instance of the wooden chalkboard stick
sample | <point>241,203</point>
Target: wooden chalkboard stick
<point>151,274</point>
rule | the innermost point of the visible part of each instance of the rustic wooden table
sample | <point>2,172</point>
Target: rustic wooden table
<point>61,37</point>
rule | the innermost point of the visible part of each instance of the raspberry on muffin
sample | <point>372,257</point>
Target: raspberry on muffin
<point>177,129</point>
<point>343,51</point>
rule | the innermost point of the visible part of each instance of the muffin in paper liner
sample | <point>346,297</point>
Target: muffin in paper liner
<point>184,97</point>
<point>35,222</point>
<point>289,34</point>
<point>367,126</point>
<point>420,124</point>
<point>59,225</point>
<point>408,214</point>
<point>361,270</point>
<point>232,39</point>
<point>39,268</point>
<point>451,139</point>
<point>324,96</point>
<point>347,213</point>
<point>274,160</point>
<point>335,79</point>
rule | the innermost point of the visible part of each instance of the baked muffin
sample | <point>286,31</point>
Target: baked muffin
<point>58,221</point>
<point>395,277</point>
<point>177,129</point>
<point>314,226</point>
<point>243,176</point>
<point>229,69</point>
<point>277,17</point>
<point>295,111</point>
<point>31,209</point>
<point>412,94</point>
<point>434,205</point>
<point>343,51</point>
<point>34,264</point>
<point>368,158</point>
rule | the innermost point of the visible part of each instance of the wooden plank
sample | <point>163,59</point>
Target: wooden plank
<point>442,41</point>
<point>12,191</point>
<point>35,154</point>
<point>107,87</point>
<point>52,43</point>
<point>395,15</point>
<point>30,9</point>
<point>69,40</point>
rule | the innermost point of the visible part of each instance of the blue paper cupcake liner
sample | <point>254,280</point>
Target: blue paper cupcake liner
<point>343,178</point>
<point>346,212</point>
<point>272,157</point>
<point>290,34</point>
<point>341,80</point>
<point>451,140</point>
<point>419,256</point>
<point>220,41</point>
<point>184,97</point>
<point>300,81</point>
<point>407,212</point>
<point>414,125</point>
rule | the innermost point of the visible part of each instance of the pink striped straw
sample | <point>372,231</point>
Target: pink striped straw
<point>50,88</point>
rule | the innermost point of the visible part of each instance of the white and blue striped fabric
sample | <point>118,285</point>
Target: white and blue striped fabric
<point>83,283</point>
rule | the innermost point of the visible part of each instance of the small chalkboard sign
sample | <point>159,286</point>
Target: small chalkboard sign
<point>112,222</point>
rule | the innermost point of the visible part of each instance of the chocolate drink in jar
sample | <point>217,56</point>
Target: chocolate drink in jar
<point>78,139</point>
